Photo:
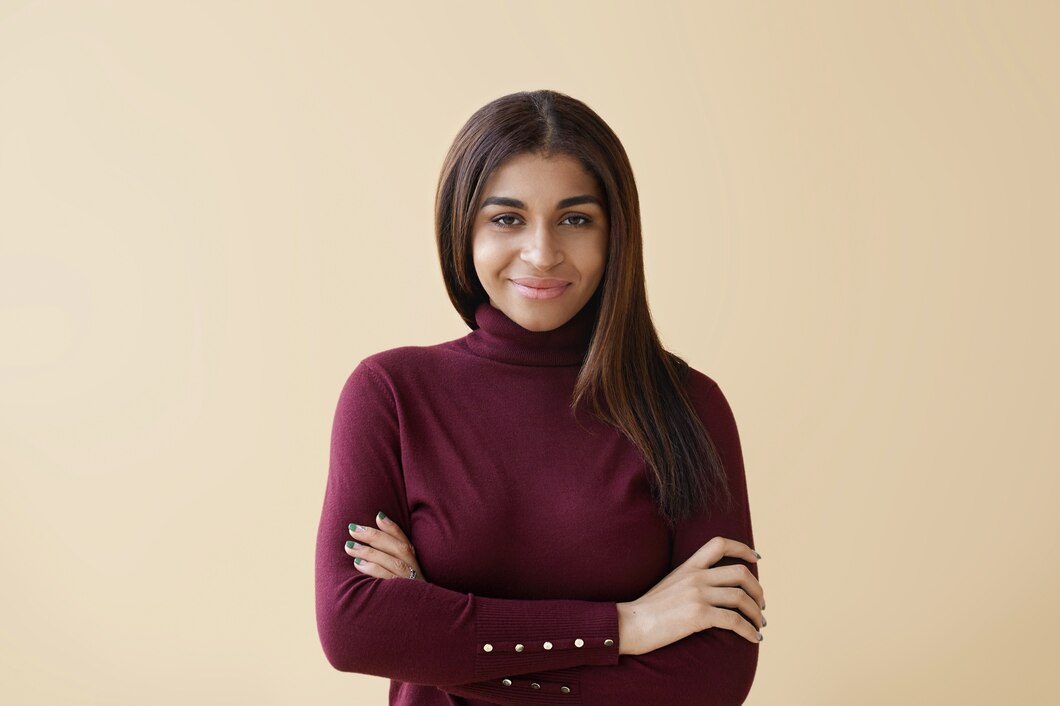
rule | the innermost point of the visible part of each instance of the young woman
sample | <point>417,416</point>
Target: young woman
<point>560,507</point>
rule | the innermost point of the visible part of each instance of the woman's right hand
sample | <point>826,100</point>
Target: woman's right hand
<point>695,596</point>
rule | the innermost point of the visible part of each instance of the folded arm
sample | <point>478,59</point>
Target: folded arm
<point>414,631</point>
<point>506,651</point>
<point>713,667</point>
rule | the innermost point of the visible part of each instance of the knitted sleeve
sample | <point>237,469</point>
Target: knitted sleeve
<point>415,631</point>
<point>714,667</point>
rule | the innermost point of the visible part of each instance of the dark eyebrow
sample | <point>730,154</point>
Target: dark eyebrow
<point>575,200</point>
<point>516,203</point>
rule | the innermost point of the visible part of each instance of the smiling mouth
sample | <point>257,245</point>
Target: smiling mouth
<point>532,289</point>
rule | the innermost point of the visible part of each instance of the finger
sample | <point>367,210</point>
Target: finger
<point>387,525</point>
<point>406,550</point>
<point>740,576</point>
<point>738,599</point>
<point>731,620</point>
<point>718,547</point>
<point>368,567</point>
<point>392,554</point>
<point>394,565</point>
<point>383,541</point>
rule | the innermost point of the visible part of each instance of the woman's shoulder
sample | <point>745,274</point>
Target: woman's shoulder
<point>412,355</point>
<point>706,394</point>
<point>401,364</point>
<point>710,402</point>
<point>694,379</point>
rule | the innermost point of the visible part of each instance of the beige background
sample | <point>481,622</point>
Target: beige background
<point>211,211</point>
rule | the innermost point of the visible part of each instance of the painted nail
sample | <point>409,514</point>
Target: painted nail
<point>350,544</point>
<point>355,527</point>
<point>757,554</point>
<point>381,515</point>
<point>760,635</point>
<point>357,560</point>
<point>764,623</point>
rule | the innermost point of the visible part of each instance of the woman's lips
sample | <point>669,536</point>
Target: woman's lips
<point>540,288</point>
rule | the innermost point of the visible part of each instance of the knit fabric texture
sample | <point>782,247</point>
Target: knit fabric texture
<point>530,523</point>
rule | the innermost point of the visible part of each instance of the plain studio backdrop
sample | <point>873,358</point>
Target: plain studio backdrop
<point>211,211</point>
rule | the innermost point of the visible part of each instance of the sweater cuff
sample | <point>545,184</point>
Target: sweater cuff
<point>519,637</point>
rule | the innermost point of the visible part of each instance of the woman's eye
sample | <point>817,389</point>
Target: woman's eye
<point>498,220</point>
<point>579,220</point>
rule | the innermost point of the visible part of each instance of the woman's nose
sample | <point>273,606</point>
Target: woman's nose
<point>542,251</point>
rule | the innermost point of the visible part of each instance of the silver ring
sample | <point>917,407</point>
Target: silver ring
<point>412,573</point>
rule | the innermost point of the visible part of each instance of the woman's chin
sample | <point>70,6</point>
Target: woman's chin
<point>536,315</point>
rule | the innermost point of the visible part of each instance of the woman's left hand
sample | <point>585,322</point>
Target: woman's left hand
<point>385,553</point>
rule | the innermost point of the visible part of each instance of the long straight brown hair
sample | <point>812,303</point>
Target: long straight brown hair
<point>633,383</point>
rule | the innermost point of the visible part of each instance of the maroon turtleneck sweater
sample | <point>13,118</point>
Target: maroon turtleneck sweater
<point>529,524</point>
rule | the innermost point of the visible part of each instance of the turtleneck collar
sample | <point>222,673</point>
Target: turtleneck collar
<point>500,338</point>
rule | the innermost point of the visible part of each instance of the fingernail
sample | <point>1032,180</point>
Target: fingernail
<point>757,554</point>
<point>357,560</point>
<point>381,516</point>
<point>760,635</point>
<point>355,527</point>
<point>764,623</point>
<point>350,544</point>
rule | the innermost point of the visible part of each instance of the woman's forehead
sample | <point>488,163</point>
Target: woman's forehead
<point>531,176</point>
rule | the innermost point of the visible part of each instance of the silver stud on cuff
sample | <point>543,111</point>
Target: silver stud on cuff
<point>487,647</point>
<point>534,685</point>
<point>565,689</point>
<point>579,642</point>
<point>519,648</point>
<point>506,682</point>
<point>548,645</point>
<point>608,643</point>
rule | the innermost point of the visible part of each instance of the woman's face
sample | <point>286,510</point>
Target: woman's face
<point>540,239</point>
